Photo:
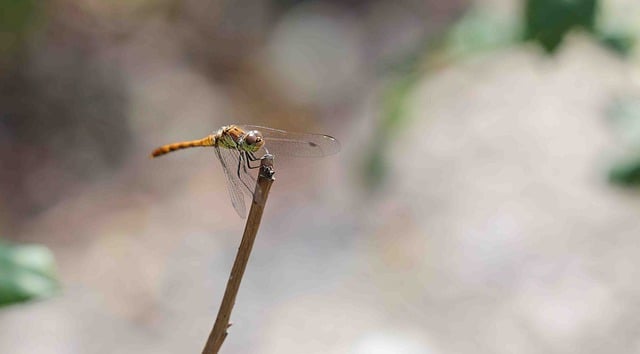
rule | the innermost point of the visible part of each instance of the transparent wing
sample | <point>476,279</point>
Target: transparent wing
<point>284,143</point>
<point>234,185</point>
<point>241,170</point>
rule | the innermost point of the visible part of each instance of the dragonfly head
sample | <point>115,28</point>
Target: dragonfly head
<point>252,141</point>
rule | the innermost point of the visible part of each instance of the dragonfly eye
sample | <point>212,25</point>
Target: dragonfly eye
<point>254,138</point>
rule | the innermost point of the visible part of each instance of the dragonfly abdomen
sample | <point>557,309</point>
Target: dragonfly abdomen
<point>165,149</point>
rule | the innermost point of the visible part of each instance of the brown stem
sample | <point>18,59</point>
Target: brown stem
<point>219,331</point>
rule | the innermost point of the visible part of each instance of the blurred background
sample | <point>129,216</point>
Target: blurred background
<point>485,199</point>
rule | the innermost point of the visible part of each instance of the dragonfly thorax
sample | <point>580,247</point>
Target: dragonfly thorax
<point>234,137</point>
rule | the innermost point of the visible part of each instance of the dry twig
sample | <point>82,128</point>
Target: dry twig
<point>219,331</point>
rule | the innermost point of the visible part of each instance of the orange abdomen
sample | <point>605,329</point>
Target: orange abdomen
<point>165,149</point>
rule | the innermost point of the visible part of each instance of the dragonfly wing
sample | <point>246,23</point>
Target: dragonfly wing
<point>242,171</point>
<point>234,185</point>
<point>284,143</point>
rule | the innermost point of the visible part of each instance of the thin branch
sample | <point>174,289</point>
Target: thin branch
<point>219,331</point>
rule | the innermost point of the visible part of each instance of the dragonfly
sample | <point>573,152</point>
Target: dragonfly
<point>239,148</point>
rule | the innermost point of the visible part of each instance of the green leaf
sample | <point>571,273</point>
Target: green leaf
<point>621,43</point>
<point>27,272</point>
<point>624,114</point>
<point>626,173</point>
<point>548,21</point>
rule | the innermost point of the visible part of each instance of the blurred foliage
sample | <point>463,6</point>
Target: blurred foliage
<point>394,103</point>
<point>548,21</point>
<point>475,32</point>
<point>625,116</point>
<point>626,173</point>
<point>17,18</point>
<point>26,272</point>
<point>619,42</point>
<point>478,31</point>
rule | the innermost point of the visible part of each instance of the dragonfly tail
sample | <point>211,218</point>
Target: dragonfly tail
<point>165,149</point>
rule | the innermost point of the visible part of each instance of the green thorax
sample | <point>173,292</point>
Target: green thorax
<point>233,137</point>
<point>227,141</point>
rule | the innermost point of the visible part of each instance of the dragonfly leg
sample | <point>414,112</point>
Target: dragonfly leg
<point>243,157</point>
<point>241,165</point>
<point>250,157</point>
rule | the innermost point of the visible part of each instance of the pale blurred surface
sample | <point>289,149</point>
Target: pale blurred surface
<point>494,231</point>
